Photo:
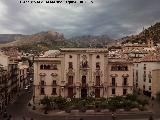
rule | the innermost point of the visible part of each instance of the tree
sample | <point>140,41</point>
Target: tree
<point>46,101</point>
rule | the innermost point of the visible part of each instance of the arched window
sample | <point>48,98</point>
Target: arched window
<point>45,66</point>
<point>41,67</point>
<point>83,77</point>
<point>126,68</point>
<point>54,67</point>
<point>48,66</point>
<point>119,67</point>
<point>97,56</point>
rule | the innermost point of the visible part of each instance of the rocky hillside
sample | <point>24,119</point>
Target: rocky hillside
<point>46,37</point>
<point>90,41</point>
<point>5,38</point>
<point>153,32</point>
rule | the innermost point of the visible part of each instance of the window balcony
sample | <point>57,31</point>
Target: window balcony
<point>84,85</point>
<point>70,84</point>
<point>54,84</point>
<point>42,83</point>
<point>125,84</point>
<point>113,84</point>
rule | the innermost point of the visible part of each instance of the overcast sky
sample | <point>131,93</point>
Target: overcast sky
<point>116,18</point>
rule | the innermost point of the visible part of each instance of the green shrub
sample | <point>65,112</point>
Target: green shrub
<point>131,97</point>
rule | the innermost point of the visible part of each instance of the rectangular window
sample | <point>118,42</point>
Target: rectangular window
<point>70,65</point>
<point>144,67</point>
<point>149,87</point>
<point>97,65</point>
<point>149,80</point>
<point>70,80</point>
<point>42,91</point>
<point>42,83</point>
<point>113,91</point>
<point>97,80</point>
<point>125,81</point>
<point>113,81</point>
<point>124,91</point>
<point>54,91</point>
<point>54,82</point>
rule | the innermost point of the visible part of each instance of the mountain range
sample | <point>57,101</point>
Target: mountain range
<point>53,40</point>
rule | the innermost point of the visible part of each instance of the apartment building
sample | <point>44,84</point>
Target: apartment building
<point>143,74</point>
<point>10,64</point>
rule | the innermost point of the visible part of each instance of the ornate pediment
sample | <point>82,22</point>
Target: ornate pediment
<point>125,75</point>
<point>54,74</point>
<point>114,75</point>
<point>84,72</point>
<point>98,73</point>
<point>42,74</point>
<point>70,72</point>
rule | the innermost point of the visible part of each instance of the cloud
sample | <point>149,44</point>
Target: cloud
<point>115,18</point>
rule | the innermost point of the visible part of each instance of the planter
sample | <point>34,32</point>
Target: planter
<point>105,110</point>
<point>127,109</point>
<point>134,109</point>
<point>74,111</point>
<point>83,109</point>
<point>68,110</point>
<point>97,110</point>
<point>89,111</point>
<point>120,110</point>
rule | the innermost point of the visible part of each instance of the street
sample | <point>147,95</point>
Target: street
<point>19,111</point>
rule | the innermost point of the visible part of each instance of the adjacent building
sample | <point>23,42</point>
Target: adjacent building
<point>4,77</point>
<point>17,74</point>
<point>144,72</point>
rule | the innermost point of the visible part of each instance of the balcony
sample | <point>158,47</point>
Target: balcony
<point>42,83</point>
<point>125,84</point>
<point>98,85</point>
<point>54,84</point>
<point>84,85</point>
<point>113,84</point>
<point>70,84</point>
<point>84,66</point>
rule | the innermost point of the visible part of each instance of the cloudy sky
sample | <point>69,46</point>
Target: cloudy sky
<point>116,18</point>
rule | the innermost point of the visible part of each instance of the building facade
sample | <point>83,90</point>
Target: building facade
<point>120,77</point>
<point>79,73</point>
